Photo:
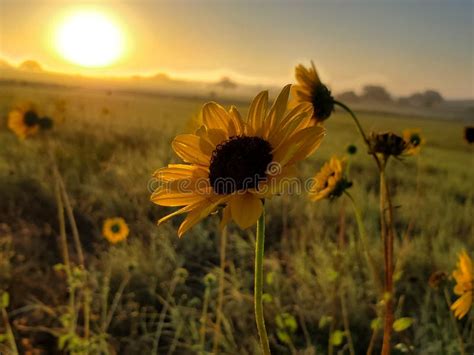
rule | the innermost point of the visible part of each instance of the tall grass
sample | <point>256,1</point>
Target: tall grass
<point>149,294</point>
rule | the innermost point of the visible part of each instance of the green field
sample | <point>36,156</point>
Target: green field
<point>320,294</point>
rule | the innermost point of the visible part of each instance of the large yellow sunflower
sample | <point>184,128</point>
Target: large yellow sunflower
<point>311,91</point>
<point>235,163</point>
<point>329,182</point>
<point>24,121</point>
<point>115,229</point>
<point>414,141</point>
<point>464,276</point>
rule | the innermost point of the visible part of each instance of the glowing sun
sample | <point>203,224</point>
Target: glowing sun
<point>89,39</point>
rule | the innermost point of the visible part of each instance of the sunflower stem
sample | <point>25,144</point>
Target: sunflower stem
<point>365,243</point>
<point>220,297</point>
<point>386,222</point>
<point>360,129</point>
<point>453,320</point>
<point>354,117</point>
<point>258,288</point>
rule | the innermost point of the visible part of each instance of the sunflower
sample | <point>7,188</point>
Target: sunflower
<point>464,276</point>
<point>311,91</point>
<point>329,182</point>
<point>24,121</point>
<point>235,163</point>
<point>469,134</point>
<point>387,144</point>
<point>414,141</point>
<point>115,229</point>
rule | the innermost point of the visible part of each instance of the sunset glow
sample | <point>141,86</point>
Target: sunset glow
<point>89,39</point>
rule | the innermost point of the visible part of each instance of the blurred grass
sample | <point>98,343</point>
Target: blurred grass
<point>108,147</point>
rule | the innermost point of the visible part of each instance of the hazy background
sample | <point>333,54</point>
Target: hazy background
<point>407,46</point>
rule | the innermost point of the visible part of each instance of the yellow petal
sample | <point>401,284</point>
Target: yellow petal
<point>180,171</point>
<point>193,149</point>
<point>257,113</point>
<point>307,77</point>
<point>245,209</point>
<point>216,117</point>
<point>163,196</point>
<point>462,305</point>
<point>238,122</point>
<point>199,213</point>
<point>277,110</point>
<point>299,146</point>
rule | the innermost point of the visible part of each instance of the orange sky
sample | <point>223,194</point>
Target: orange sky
<point>406,46</point>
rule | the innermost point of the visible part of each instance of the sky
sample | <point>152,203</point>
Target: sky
<point>406,46</point>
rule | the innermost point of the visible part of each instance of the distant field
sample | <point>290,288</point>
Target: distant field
<point>107,148</point>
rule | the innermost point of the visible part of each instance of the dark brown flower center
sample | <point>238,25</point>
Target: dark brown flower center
<point>31,118</point>
<point>415,139</point>
<point>323,102</point>
<point>239,163</point>
<point>115,228</point>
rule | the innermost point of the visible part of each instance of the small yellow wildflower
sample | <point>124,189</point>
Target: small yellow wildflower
<point>414,141</point>
<point>115,230</point>
<point>329,182</point>
<point>464,276</point>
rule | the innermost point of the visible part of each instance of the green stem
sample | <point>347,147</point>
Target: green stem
<point>258,288</point>
<point>354,117</point>
<point>9,332</point>
<point>161,319</point>
<point>453,320</point>
<point>386,220</point>
<point>365,243</point>
<point>202,342</point>
<point>360,129</point>
<point>345,319</point>
<point>220,297</point>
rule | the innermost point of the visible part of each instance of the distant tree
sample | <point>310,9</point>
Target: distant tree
<point>429,98</point>
<point>376,93</point>
<point>30,65</point>
<point>348,96</point>
<point>227,83</point>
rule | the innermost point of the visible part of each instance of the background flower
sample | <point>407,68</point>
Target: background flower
<point>464,276</point>
<point>115,229</point>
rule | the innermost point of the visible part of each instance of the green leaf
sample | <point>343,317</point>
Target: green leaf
<point>376,323</point>
<point>325,320</point>
<point>267,298</point>
<point>5,300</point>
<point>332,274</point>
<point>336,337</point>
<point>402,323</point>
<point>290,322</point>
<point>279,321</point>
<point>270,278</point>
<point>283,336</point>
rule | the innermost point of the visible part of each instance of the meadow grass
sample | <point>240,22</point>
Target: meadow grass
<point>320,294</point>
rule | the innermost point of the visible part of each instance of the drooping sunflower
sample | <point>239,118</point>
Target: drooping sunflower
<point>24,121</point>
<point>329,182</point>
<point>235,163</point>
<point>115,230</point>
<point>464,276</point>
<point>311,91</point>
<point>387,144</point>
<point>469,134</point>
<point>414,141</point>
